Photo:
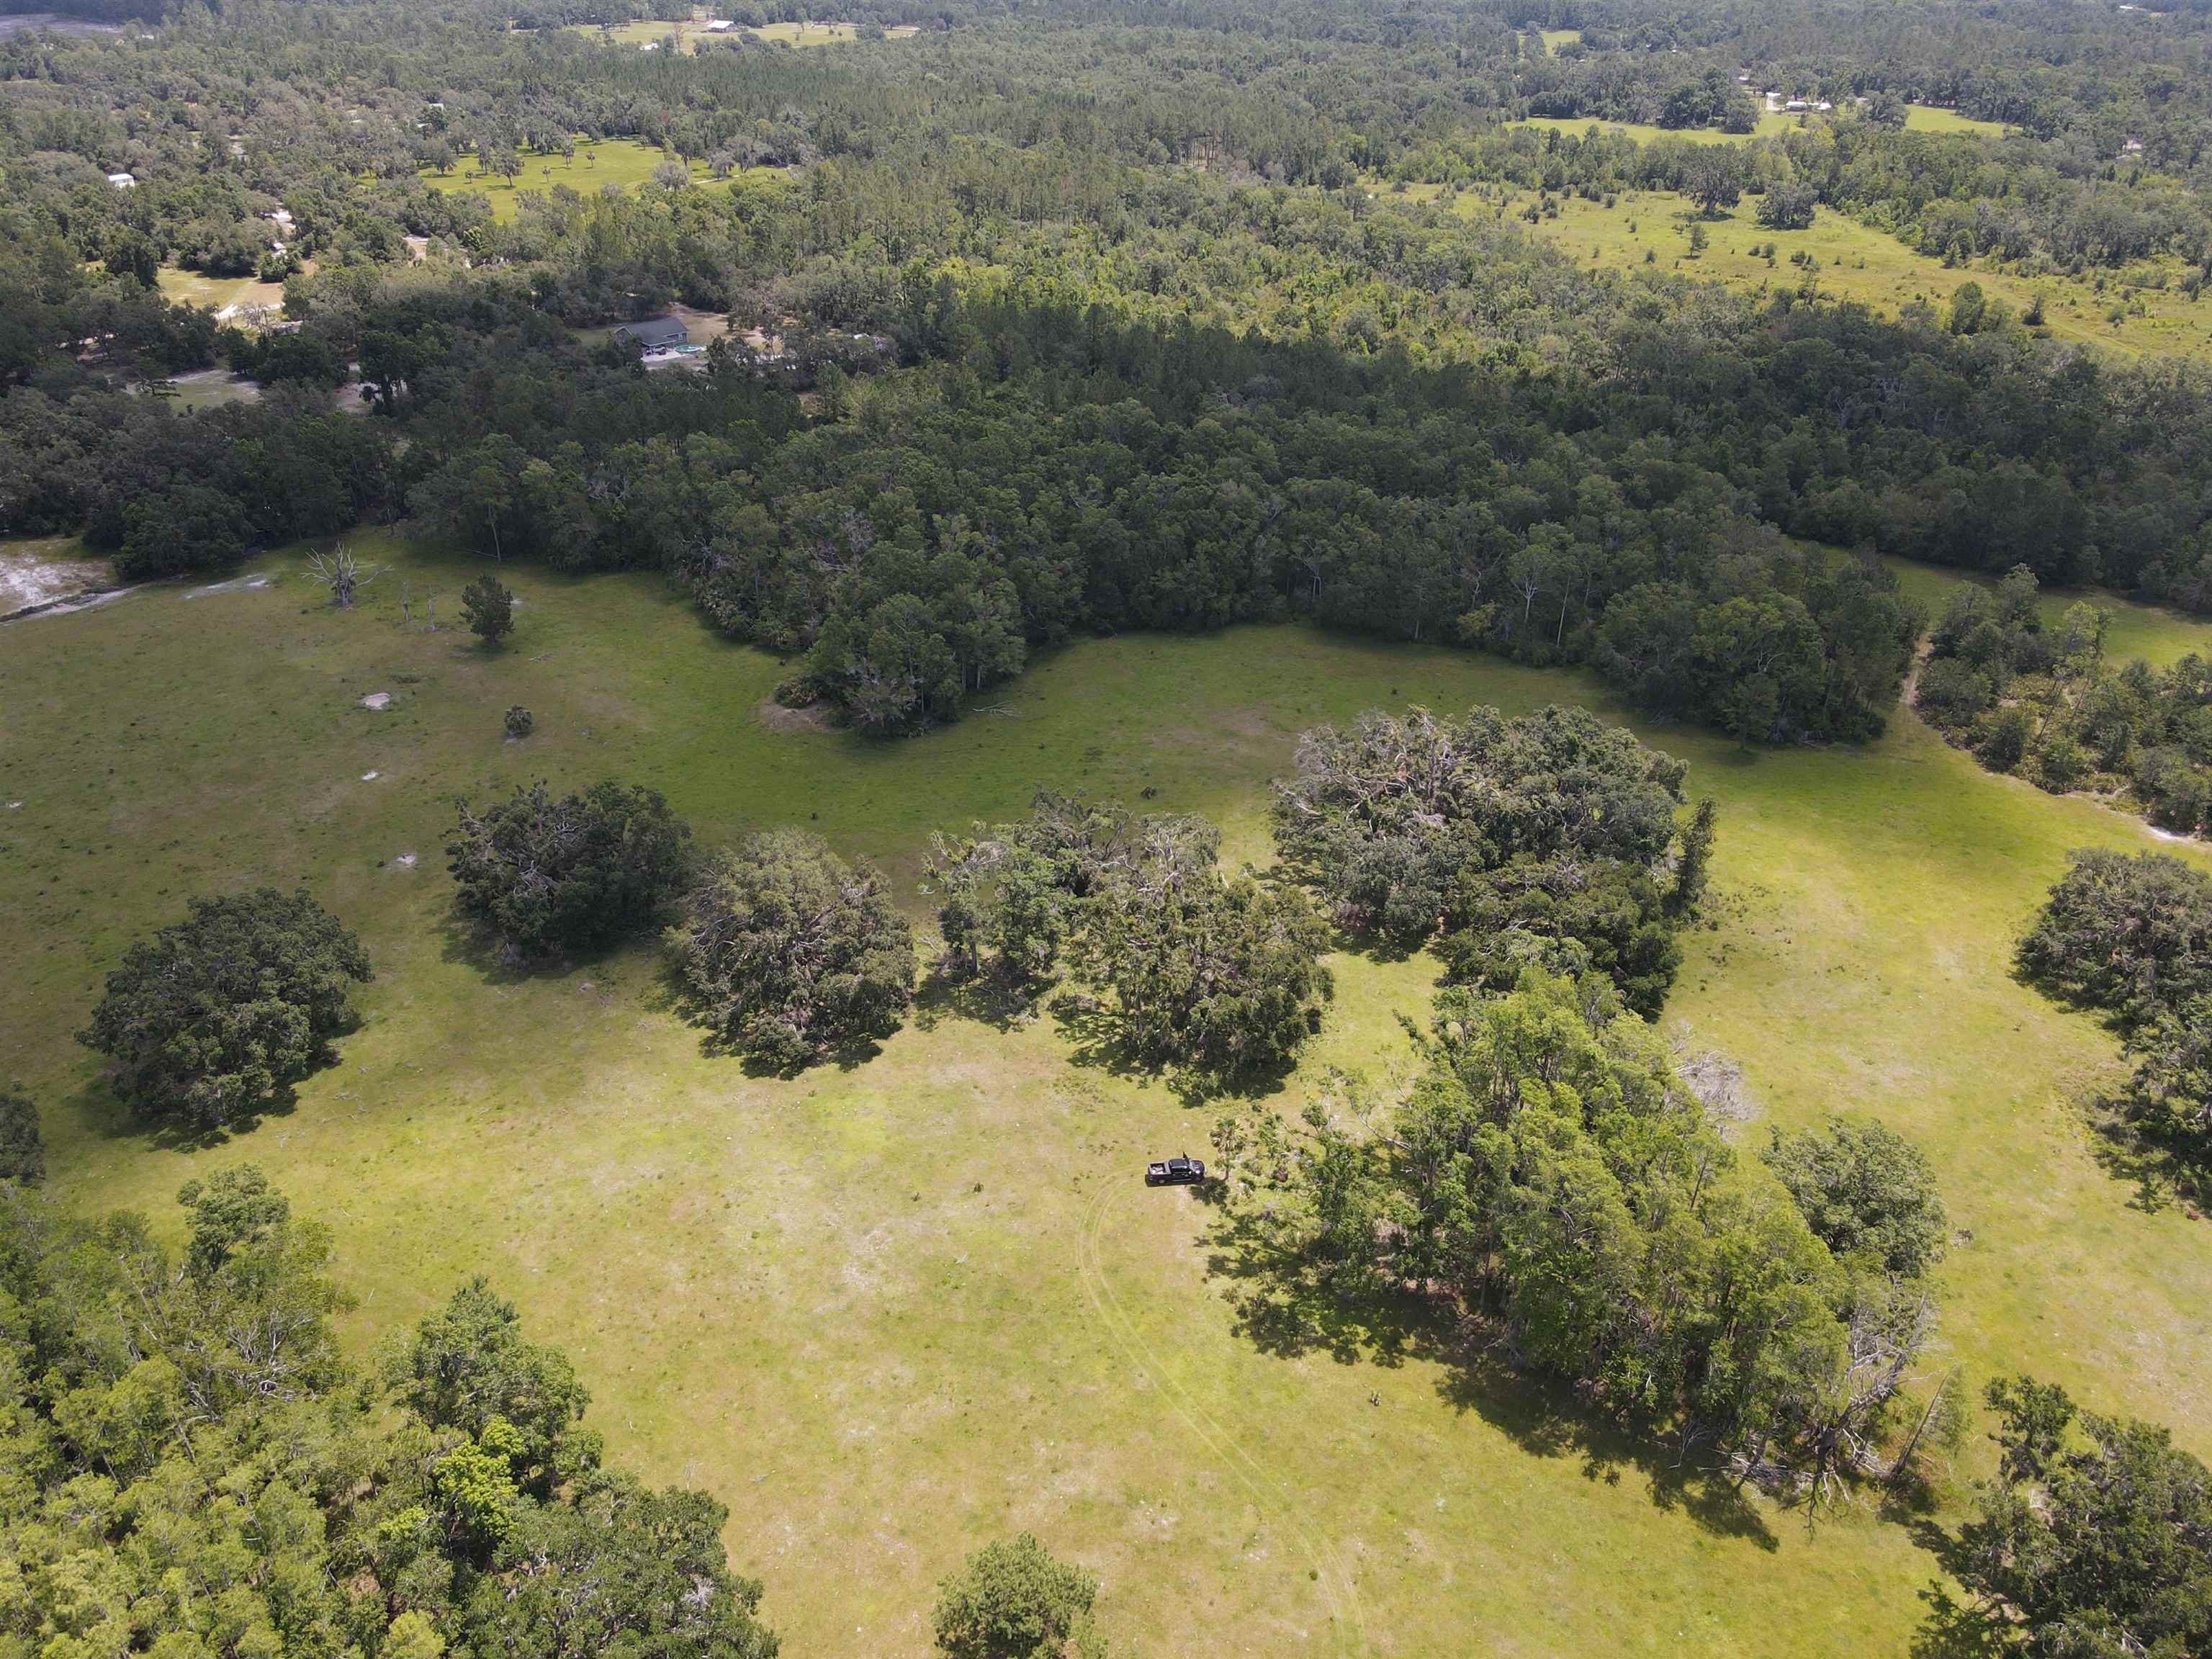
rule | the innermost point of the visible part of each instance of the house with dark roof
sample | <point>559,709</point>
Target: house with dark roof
<point>656,333</point>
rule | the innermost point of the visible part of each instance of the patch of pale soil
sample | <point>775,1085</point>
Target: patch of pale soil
<point>235,585</point>
<point>401,861</point>
<point>2157,834</point>
<point>31,577</point>
<point>205,388</point>
<point>774,716</point>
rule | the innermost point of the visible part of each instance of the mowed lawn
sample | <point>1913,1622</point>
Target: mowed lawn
<point>1856,262</point>
<point>889,1313</point>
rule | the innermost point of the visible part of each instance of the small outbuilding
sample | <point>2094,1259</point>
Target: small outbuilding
<point>121,180</point>
<point>656,334</point>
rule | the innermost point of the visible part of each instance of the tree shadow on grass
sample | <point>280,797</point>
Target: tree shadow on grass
<point>1094,1038</point>
<point>471,942</point>
<point>2127,1151</point>
<point>670,995</point>
<point>991,999</point>
<point>1289,1304</point>
<point>114,1118</point>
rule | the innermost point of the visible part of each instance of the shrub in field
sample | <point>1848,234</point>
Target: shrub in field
<point>1868,1192</point>
<point>568,873</point>
<point>1011,1600</point>
<point>22,1151</point>
<point>790,953</point>
<point>219,1014</point>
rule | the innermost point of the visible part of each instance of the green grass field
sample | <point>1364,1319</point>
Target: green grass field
<point>2160,636</point>
<point>1555,39</point>
<point>1856,263</point>
<point>1928,118</point>
<point>888,1313</point>
<point>1769,123</point>
<point>625,163</point>
<point>190,287</point>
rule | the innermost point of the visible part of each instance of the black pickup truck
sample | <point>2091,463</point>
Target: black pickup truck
<point>1177,1171</point>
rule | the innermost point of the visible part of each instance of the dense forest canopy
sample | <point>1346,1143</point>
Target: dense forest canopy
<point>1076,319</point>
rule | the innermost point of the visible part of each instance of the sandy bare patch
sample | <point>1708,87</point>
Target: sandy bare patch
<point>235,585</point>
<point>774,716</point>
<point>44,572</point>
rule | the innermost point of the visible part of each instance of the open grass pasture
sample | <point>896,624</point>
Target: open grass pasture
<point>1555,39</point>
<point>1932,118</point>
<point>891,1312</point>
<point>1856,262</point>
<point>1575,127</point>
<point>625,164</point>
<point>219,293</point>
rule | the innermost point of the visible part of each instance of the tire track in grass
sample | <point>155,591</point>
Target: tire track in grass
<point>1269,1493</point>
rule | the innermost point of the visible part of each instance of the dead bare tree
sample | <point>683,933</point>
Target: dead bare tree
<point>1836,1431</point>
<point>343,573</point>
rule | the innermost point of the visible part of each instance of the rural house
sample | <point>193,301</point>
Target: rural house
<point>656,333</point>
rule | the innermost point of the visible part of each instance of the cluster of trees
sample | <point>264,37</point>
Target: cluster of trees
<point>1540,841</point>
<point>193,1467</point>
<point>573,873</point>
<point>2045,704</point>
<point>1551,1175</point>
<point>167,496</point>
<point>23,1148</point>
<point>1218,976</point>
<point>1955,196</point>
<point>2131,936</point>
<point>791,955</point>
<point>2096,1538</point>
<point>216,1017</point>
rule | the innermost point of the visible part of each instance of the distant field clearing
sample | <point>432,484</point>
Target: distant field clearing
<point>1928,118</point>
<point>625,163</point>
<point>1651,229</point>
<point>689,34</point>
<point>1576,127</point>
